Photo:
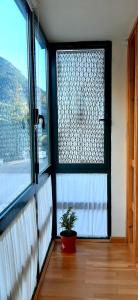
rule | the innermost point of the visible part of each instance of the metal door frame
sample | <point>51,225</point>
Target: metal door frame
<point>80,168</point>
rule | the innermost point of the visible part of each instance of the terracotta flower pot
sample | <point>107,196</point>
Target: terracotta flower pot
<point>68,241</point>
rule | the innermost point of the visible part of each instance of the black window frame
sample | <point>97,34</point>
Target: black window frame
<point>80,168</point>
<point>37,28</point>
<point>12,209</point>
<point>76,168</point>
<point>21,199</point>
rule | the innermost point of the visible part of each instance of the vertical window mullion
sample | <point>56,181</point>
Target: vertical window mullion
<point>31,84</point>
<point>41,97</point>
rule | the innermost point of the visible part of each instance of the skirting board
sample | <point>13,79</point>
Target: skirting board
<point>118,239</point>
<point>43,271</point>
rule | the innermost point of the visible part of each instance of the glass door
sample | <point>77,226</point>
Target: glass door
<point>82,117</point>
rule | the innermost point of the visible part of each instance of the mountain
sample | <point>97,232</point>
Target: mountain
<point>14,114</point>
<point>12,82</point>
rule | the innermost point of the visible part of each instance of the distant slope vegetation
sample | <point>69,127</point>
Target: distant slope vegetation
<point>12,82</point>
<point>14,113</point>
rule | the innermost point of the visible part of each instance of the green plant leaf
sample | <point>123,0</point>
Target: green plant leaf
<point>68,219</point>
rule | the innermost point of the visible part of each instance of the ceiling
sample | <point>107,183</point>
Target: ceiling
<point>86,20</point>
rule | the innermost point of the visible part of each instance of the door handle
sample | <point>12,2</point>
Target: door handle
<point>105,120</point>
<point>41,117</point>
<point>38,117</point>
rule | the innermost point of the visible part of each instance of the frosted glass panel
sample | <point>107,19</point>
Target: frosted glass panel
<point>44,204</point>
<point>18,256</point>
<point>87,194</point>
<point>81,95</point>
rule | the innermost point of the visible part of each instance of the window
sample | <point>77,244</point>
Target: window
<point>15,136</point>
<point>87,194</point>
<point>81,103</point>
<point>41,57</point>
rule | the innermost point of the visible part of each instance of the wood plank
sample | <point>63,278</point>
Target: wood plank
<point>136,149</point>
<point>132,163</point>
<point>130,139</point>
<point>132,142</point>
<point>96,271</point>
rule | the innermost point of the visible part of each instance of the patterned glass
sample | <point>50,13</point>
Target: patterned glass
<point>80,94</point>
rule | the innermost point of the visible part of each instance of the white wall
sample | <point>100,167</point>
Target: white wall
<point>119,91</point>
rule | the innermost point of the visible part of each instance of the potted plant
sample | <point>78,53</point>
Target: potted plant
<point>68,236</point>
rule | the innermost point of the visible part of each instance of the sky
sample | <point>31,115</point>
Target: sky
<point>13,45</point>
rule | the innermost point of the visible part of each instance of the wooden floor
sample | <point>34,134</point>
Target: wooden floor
<point>97,271</point>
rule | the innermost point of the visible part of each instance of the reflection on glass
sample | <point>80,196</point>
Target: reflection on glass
<point>15,160</point>
<point>42,100</point>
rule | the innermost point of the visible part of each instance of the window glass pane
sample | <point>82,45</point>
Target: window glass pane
<point>15,143</point>
<point>87,195</point>
<point>42,100</point>
<point>81,97</point>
